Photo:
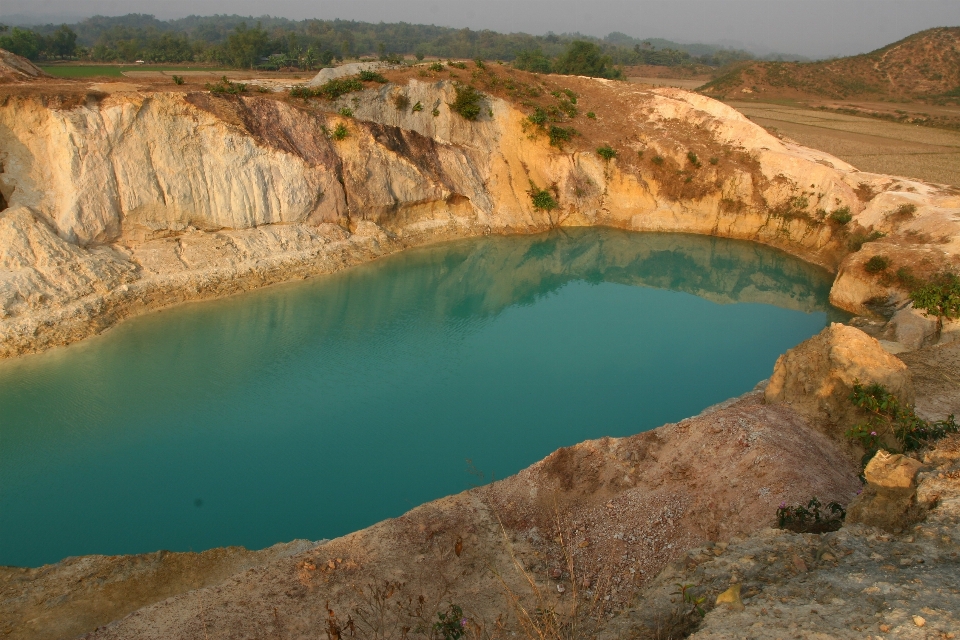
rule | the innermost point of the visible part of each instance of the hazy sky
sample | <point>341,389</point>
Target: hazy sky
<point>815,28</point>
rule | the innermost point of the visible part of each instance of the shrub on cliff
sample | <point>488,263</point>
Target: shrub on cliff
<point>225,86</point>
<point>606,152</point>
<point>467,102</point>
<point>938,297</point>
<point>542,199</point>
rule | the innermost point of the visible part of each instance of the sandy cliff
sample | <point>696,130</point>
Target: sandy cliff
<point>130,201</point>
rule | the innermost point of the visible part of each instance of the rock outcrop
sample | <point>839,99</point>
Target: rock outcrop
<point>816,377</point>
<point>889,500</point>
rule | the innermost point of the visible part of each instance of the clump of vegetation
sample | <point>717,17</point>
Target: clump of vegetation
<point>467,102</point>
<point>451,624</point>
<point>591,115</point>
<point>657,160</point>
<point>606,152</point>
<point>938,297</point>
<point>810,518</point>
<point>889,420</point>
<point>584,58</point>
<point>178,80</point>
<point>903,212</point>
<point>692,157</point>
<point>417,107</point>
<point>714,160</point>
<point>371,76</point>
<point>346,112</point>
<point>479,64</point>
<point>559,135</point>
<point>877,264</point>
<point>340,132</point>
<point>857,240</point>
<point>457,65</point>
<point>435,112</point>
<point>542,199</point>
<point>538,117</point>
<point>400,101</point>
<point>436,66</point>
<point>227,87</point>
<point>841,216</point>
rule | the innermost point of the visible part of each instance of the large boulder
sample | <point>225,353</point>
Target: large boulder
<point>816,377</point>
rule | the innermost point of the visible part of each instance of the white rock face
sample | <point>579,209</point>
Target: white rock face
<point>142,200</point>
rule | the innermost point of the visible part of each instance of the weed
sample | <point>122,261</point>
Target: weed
<point>714,160</point>
<point>417,107</point>
<point>400,101</point>
<point>657,160</point>
<point>225,86</point>
<point>559,135</point>
<point>857,240</point>
<point>467,102</point>
<point>452,624</point>
<point>809,518</point>
<point>542,199</point>
<point>458,65</point>
<point>591,115</point>
<point>479,64</point>
<point>841,216</point>
<point>177,79</point>
<point>692,157</point>
<point>340,132</point>
<point>330,90</point>
<point>346,112</point>
<point>606,152</point>
<point>435,112</point>
<point>876,264</point>
<point>889,420</point>
<point>538,117</point>
<point>371,76</point>
<point>687,597</point>
<point>436,66</point>
<point>903,212</point>
<point>864,192</point>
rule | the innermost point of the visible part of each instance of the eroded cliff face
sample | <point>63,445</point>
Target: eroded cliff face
<point>134,201</point>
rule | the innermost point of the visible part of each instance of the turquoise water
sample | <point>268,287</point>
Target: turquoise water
<point>313,409</point>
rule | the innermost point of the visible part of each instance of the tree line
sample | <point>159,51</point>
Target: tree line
<point>270,42</point>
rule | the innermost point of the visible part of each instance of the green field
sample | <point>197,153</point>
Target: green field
<point>109,70</point>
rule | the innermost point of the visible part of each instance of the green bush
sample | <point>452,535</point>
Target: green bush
<point>436,66</point>
<point>809,518</point>
<point>606,152</point>
<point>538,117</point>
<point>857,240</point>
<point>177,79</point>
<point>876,264</point>
<point>938,297</point>
<point>225,86</point>
<point>346,112</point>
<point>692,157</point>
<point>458,65</point>
<point>371,76</point>
<point>330,90</point>
<point>542,199</point>
<point>591,115</point>
<point>467,102</point>
<point>657,160</point>
<point>841,216</point>
<point>417,107</point>
<point>479,63</point>
<point>435,112</point>
<point>340,132</point>
<point>584,58</point>
<point>714,160</point>
<point>559,135</point>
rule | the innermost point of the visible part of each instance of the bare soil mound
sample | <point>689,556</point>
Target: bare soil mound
<point>14,68</point>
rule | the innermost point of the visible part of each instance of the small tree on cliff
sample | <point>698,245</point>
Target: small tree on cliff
<point>939,297</point>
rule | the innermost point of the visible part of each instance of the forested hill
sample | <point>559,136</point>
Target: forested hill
<point>925,65</point>
<point>248,41</point>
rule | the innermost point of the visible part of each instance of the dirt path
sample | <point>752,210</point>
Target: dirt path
<point>870,145</point>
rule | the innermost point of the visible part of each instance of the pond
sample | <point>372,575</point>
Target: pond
<point>313,409</point>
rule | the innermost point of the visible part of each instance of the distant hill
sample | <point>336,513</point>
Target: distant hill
<point>925,65</point>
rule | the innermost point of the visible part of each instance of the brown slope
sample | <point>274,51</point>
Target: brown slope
<point>924,65</point>
<point>14,68</point>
